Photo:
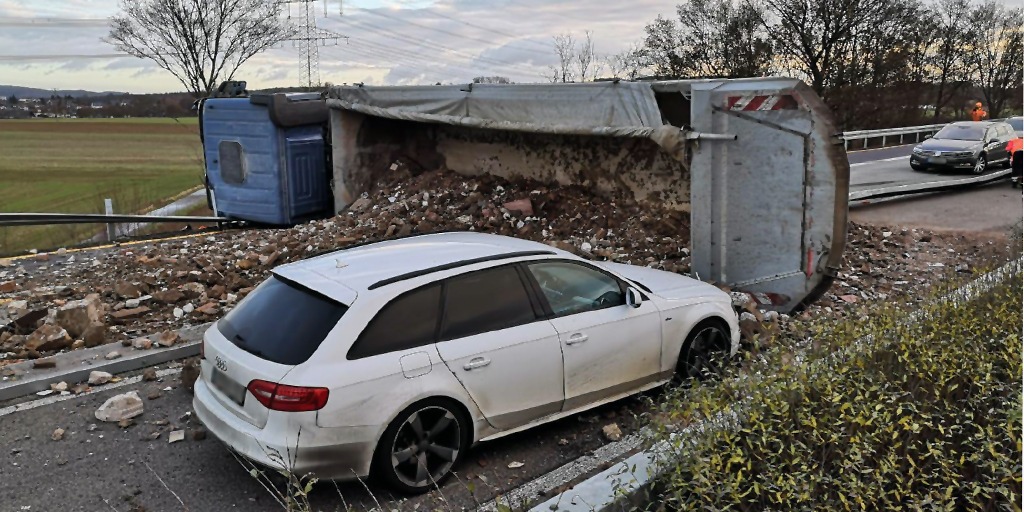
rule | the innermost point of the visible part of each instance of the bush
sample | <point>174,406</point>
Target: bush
<point>924,416</point>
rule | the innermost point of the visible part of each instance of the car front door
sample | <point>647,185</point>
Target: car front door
<point>995,149</point>
<point>494,338</point>
<point>608,347</point>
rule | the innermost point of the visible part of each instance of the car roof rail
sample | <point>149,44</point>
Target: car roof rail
<point>457,264</point>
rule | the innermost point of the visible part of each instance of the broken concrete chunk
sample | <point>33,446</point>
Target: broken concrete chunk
<point>97,378</point>
<point>119,407</point>
<point>142,343</point>
<point>171,296</point>
<point>8,287</point>
<point>175,436</point>
<point>48,337</point>
<point>522,206</point>
<point>149,374</point>
<point>127,290</point>
<point>515,465</point>
<point>77,316</point>
<point>112,355</point>
<point>130,313</point>
<point>59,386</point>
<point>58,434</point>
<point>612,432</point>
<point>167,338</point>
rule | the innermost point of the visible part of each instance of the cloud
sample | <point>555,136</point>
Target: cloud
<point>421,41</point>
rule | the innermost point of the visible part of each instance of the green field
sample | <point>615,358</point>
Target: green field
<point>71,165</point>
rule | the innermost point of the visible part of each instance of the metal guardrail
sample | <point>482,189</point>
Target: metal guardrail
<point>864,135</point>
<point>39,219</point>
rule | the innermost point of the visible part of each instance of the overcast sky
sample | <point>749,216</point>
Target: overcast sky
<point>390,42</point>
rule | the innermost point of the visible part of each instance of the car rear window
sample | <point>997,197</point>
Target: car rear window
<point>281,321</point>
<point>1017,123</point>
<point>408,321</point>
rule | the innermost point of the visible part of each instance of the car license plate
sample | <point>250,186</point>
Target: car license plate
<point>232,389</point>
<point>937,160</point>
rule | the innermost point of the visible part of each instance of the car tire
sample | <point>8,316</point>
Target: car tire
<point>980,165</point>
<point>422,444</point>
<point>704,352</point>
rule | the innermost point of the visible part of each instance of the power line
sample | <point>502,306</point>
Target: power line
<point>442,31</point>
<point>310,38</point>
<point>394,35</point>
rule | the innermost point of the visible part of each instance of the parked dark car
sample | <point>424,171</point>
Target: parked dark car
<point>968,145</point>
<point>1017,123</point>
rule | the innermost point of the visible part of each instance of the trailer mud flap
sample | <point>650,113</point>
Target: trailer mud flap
<point>768,209</point>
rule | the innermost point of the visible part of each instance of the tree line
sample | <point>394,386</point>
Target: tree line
<point>876,63</point>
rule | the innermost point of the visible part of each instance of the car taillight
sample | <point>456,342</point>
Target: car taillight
<point>281,397</point>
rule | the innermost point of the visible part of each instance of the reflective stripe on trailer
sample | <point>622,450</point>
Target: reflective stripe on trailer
<point>762,102</point>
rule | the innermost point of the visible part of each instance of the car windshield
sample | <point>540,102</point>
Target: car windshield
<point>961,132</point>
<point>1017,123</point>
<point>281,321</point>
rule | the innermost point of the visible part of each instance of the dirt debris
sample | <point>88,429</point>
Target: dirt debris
<point>129,292</point>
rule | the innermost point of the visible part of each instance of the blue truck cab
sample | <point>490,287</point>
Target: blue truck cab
<point>266,157</point>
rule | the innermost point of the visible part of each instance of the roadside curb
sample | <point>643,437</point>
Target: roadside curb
<point>75,366</point>
<point>626,483</point>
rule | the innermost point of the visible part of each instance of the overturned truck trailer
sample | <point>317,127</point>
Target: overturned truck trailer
<point>757,163</point>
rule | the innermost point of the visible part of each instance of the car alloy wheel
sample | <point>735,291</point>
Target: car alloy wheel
<point>979,166</point>
<point>703,354</point>
<point>421,445</point>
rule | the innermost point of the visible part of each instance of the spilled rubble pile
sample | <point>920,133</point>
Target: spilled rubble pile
<point>139,294</point>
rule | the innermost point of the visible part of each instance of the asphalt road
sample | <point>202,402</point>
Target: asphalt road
<point>886,167</point>
<point>106,468</point>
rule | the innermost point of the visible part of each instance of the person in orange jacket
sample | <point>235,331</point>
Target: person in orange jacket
<point>978,114</point>
<point>1015,148</point>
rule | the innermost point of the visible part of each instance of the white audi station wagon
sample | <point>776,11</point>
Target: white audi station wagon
<point>394,358</point>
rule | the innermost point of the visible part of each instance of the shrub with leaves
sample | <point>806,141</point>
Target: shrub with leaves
<point>875,413</point>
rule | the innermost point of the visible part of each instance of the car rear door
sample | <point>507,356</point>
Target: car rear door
<point>608,347</point>
<point>494,338</point>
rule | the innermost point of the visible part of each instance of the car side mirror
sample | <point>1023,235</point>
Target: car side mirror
<point>633,297</point>
<point>993,141</point>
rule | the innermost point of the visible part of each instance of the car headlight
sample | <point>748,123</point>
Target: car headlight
<point>918,150</point>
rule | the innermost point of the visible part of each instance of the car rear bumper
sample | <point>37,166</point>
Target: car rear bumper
<point>329,453</point>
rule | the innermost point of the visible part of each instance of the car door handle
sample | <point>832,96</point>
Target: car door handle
<point>576,338</point>
<point>476,362</point>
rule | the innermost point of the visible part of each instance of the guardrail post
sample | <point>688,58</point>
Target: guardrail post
<point>108,207</point>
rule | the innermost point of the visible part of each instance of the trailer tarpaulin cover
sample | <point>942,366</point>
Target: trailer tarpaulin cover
<point>619,109</point>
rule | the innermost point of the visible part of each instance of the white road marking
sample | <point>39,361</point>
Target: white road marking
<point>25,406</point>
<point>893,159</point>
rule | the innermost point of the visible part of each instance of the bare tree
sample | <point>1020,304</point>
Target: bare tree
<point>661,49</point>
<point>585,56</point>
<point>816,34</point>
<point>565,49</point>
<point>198,41</point>
<point>998,43</point>
<point>628,64</point>
<point>949,51</point>
<point>723,38</point>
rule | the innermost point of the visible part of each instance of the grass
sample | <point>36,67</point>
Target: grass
<point>71,165</point>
